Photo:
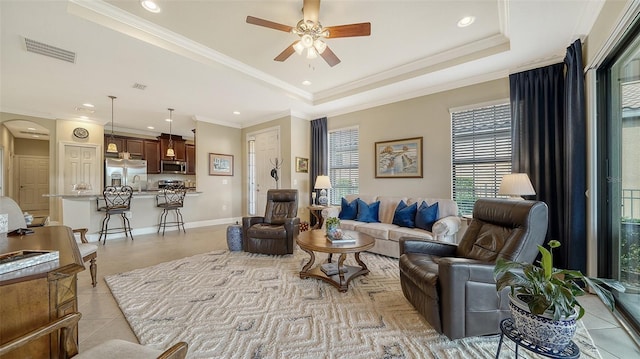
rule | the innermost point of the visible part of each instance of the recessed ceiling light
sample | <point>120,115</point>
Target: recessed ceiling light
<point>36,136</point>
<point>306,82</point>
<point>88,105</point>
<point>31,129</point>
<point>150,6</point>
<point>236,112</point>
<point>466,21</point>
<point>150,127</point>
<point>168,120</point>
<point>84,117</point>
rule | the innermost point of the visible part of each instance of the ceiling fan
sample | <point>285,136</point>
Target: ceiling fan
<point>312,33</point>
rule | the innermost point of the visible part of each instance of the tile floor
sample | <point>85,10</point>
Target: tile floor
<point>102,319</point>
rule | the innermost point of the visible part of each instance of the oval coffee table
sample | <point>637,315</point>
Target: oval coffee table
<point>316,241</point>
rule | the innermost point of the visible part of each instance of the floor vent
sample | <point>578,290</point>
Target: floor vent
<point>51,51</point>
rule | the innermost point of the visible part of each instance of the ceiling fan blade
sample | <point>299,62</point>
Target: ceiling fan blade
<point>361,29</point>
<point>266,23</point>
<point>310,10</point>
<point>330,57</point>
<point>286,53</point>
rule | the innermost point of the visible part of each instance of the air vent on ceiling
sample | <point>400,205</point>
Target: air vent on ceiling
<point>85,110</point>
<point>34,133</point>
<point>51,51</point>
<point>139,86</point>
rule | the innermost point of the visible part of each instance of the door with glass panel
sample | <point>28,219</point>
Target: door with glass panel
<point>622,190</point>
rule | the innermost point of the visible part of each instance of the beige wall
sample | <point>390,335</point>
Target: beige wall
<point>7,144</point>
<point>27,147</point>
<point>222,195</point>
<point>294,142</point>
<point>427,117</point>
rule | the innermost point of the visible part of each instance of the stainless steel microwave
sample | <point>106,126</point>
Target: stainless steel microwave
<point>179,167</point>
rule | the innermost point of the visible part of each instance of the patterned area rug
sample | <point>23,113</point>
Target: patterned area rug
<point>240,305</point>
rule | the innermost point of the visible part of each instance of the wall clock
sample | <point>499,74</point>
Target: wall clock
<point>80,132</point>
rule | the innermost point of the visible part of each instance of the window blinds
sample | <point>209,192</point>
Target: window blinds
<point>481,151</point>
<point>343,163</point>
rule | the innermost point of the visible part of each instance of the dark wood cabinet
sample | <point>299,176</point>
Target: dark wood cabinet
<point>119,141</point>
<point>178,148</point>
<point>135,147</point>
<point>152,155</point>
<point>191,159</point>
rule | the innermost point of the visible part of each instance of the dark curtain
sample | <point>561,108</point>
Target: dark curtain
<point>549,144</point>
<point>318,163</point>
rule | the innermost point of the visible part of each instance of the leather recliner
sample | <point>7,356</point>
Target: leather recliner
<point>452,286</point>
<point>273,233</point>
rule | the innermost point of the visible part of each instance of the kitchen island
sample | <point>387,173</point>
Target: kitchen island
<point>80,210</point>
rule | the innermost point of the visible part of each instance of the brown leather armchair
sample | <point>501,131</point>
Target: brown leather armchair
<point>452,286</point>
<point>273,233</point>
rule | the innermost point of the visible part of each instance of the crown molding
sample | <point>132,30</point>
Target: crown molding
<point>117,19</point>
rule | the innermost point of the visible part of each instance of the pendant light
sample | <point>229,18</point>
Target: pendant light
<point>170,151</point>
<point>112,147</point>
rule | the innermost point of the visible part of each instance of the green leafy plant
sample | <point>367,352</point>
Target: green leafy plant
<point>333,222</point>
<point>546,288</point>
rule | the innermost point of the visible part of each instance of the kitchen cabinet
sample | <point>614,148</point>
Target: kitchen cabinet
<point>191,159</point>
<point>152,155</point>
<point>119,141</point>
<point>179,148</point>
<point>135,147</point>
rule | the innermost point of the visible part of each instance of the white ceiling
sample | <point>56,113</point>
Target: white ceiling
<point>202,58</point>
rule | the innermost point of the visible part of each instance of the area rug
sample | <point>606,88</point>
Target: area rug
<point>239,305</point>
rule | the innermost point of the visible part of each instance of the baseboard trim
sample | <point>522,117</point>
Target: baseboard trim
<point>93,237</point>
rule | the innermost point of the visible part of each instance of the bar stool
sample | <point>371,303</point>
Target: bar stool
<point>171,199</point>
<point>116,201</point>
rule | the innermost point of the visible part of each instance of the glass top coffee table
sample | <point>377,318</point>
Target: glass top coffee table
<point>316,241</point>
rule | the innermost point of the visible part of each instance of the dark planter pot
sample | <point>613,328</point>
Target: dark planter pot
<point>542,330</point>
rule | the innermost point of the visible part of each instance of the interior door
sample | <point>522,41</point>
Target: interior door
<point>33,182</point>
<point>81,166</point>
<point>267,150</point>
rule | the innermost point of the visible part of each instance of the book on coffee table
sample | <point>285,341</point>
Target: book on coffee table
<point>345,239</point>
<point>331,268</point>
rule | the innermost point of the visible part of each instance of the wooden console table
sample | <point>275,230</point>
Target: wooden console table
<point>34,296</point>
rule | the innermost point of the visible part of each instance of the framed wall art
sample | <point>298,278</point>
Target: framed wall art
<point>399,158</point>
<point>302,165</point>
<point>220,164</point>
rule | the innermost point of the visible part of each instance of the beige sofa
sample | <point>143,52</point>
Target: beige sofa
<point>387,234</point>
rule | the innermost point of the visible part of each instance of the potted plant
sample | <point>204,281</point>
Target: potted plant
<point>332,225</point>
<point>543,298</point>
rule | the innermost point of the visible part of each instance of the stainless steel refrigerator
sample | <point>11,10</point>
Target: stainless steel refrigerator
<point>120,172</point>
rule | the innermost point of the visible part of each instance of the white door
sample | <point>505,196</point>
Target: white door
<point>33,182</point>
<point>267,150</point>
<point>81,166</point>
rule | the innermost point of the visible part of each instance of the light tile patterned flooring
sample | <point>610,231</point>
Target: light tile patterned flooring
<point>102,319</point>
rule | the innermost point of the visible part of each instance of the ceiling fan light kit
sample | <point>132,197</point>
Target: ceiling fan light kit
<point>312,34</point>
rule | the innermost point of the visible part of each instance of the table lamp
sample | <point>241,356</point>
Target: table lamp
<point>323,183</point>
<point>516,185</point>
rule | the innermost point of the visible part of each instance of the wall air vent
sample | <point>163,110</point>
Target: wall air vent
<point>139,86</point>
<point>34,133</point>
<point>51,51</point>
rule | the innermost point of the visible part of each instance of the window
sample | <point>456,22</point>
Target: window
<point>481,153</point>
<point>343,163</point>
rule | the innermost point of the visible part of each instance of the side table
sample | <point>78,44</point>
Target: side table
<point>509,329</point>
<point>316,211</point>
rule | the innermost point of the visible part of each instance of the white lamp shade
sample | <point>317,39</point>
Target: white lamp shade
<point>170,152</point>
<point>516,184</point>
<point>322,182</point>
<point>112,148</point>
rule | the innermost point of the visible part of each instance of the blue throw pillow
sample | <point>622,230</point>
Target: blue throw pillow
<point>427,216</point>
<point>405,215</point>
<point>348,210</point>
<point>368,213</point>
